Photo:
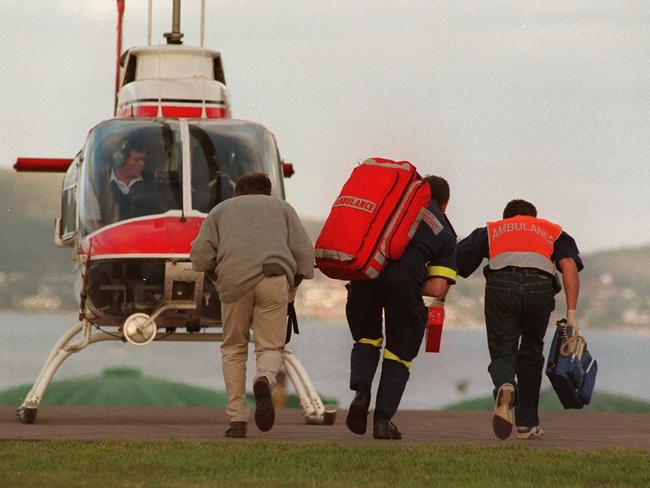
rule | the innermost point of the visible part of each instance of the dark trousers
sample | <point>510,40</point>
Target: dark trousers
<point>518,304</point>
<point>399,296</point>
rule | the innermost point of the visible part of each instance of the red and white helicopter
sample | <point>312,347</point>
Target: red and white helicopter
<point>172,111</point>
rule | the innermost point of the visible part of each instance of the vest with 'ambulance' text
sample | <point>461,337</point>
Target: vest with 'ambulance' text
<point>522,241</point>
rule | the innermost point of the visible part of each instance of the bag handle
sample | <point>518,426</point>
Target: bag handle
<point>571,346</point>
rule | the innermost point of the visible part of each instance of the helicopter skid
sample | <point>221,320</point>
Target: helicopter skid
<point>81,335</point>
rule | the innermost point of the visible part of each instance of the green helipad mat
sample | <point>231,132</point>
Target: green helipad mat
<point>127,387</point>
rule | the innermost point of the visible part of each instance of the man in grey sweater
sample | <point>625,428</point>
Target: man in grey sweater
<point>257,251</point>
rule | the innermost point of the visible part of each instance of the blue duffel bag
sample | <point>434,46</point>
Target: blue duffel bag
<point>570,367</point>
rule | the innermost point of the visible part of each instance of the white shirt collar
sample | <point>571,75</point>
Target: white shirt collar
<point>124,187</point>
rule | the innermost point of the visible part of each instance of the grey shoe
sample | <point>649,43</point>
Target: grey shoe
<point>502,415</point>
<point>236,429</point>
<point>385,429</point>
<point>264,410</point>
<point>530,433</point>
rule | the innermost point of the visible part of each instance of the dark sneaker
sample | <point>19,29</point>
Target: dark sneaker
<point>385,429</point>
<point>357,420</point>
<point>502,416</point>
<point>236,429</point>
<point>530,433</point>
<point>264,411</point>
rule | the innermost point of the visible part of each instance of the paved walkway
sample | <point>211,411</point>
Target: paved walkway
<point>570,429</point>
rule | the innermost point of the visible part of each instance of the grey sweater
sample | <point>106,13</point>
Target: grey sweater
<point>242,233</point>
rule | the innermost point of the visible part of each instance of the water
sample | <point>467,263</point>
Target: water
<point>458,372</point>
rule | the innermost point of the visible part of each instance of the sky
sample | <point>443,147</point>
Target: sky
<point>546,101</point>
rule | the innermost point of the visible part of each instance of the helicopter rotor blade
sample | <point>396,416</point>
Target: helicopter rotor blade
<point>43,165</point>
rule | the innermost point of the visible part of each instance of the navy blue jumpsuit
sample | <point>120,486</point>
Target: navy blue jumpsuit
<point>398,293</point>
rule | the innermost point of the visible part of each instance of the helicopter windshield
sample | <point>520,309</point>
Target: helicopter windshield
<point>134,168</point>
<point>221,152</point>
<point>131,169</point>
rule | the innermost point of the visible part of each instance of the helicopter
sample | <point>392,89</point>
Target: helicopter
<point>134,277</point>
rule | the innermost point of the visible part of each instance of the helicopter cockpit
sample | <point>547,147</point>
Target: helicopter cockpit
<point>135,168</point>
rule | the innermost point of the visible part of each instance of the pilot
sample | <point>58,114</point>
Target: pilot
<point>128,170</point>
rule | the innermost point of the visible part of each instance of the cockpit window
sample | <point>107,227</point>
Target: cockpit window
<point>131,169</point>
<point>222,152</point>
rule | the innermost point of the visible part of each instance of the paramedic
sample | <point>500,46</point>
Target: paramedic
<point>257,250</point>
<point>523,253</point>
<point>428,266</point>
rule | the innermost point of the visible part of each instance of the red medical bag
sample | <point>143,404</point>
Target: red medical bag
<point>372,220</point>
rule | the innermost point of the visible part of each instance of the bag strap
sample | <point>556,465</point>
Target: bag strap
<point>292,322</point>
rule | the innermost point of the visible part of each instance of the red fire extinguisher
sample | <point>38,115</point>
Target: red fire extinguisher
<point>435,319</point>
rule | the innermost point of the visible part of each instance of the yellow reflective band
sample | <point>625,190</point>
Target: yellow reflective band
<point>393,357</point>
<point>442,271</point>
<point>372,342</point>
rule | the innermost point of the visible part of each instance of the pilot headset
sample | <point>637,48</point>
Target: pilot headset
<point>119,156</point>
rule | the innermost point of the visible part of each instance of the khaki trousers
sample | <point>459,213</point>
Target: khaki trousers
<point>264,309</point>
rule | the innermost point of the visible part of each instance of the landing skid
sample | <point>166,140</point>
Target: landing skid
<point>81,335</point>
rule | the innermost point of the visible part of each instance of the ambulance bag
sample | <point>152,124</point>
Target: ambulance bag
<point>571,368</point>
<point>372,220</point>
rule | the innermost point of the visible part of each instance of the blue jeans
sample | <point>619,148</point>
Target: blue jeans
<point>518,304</point>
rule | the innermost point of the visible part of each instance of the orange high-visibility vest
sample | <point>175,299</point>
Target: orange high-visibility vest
<point>522,241</point>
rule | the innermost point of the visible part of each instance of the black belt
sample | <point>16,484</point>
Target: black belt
<point>516,269</point>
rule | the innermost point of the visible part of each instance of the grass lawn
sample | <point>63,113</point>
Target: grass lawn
<point>257,463</point>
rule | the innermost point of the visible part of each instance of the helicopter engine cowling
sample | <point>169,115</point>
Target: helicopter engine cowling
<point>119,288</point>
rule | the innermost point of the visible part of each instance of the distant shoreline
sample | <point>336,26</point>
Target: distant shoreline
<point>341,322</point>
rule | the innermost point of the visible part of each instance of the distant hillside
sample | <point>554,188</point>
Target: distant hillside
<point>615,288</point>
<point>29,204</point>
<point>34,273</point>
<point>628,268</point>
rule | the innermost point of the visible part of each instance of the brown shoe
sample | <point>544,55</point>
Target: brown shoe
<point>502,416</point>
<point>236,429</point>
<point>264,411</point>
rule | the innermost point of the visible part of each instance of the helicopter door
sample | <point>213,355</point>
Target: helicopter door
<point>66,225</point>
